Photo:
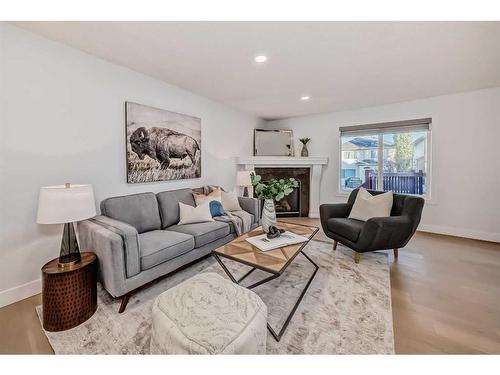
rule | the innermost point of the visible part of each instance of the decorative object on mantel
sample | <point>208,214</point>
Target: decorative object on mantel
<point>305,151</point>
<point>66,204</point>
<point>161,145</point>
<point>271,191</point>
<point>273,142</point>
<point>244,179</point>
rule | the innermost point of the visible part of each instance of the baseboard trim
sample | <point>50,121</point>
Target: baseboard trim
<point>20,292</point>
<point>460,232</point>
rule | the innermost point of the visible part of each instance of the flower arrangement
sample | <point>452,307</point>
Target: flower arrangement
<point>305,140</point>
<point>274,189</point>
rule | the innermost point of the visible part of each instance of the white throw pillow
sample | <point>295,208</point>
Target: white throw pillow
<point>367,206</point>
<point>199,214</point>
<point>207,198</point>
<point>230,201</point>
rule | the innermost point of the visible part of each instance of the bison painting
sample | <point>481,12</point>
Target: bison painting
<point>161,145</point>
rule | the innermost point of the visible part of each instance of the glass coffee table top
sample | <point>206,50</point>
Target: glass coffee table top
<point>273,261</point>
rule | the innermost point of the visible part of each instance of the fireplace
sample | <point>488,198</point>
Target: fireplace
<point>308,170</point>
<point>290,205</point>
<point>297,202</point>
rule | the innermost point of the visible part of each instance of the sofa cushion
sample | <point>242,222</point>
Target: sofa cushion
<point>348,228</point>
<point>139,210</point>
<point>203,233</point>
<point>159,246</point>
<point>169,205</point>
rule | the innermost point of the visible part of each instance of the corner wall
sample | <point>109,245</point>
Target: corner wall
<point>62,120</point>
<point>465,176</point>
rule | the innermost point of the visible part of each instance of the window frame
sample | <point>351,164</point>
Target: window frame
<point>342,191</point>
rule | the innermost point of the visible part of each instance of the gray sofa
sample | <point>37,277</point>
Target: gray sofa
<point>137,238</point>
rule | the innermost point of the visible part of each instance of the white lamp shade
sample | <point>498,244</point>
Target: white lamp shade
<point>243,178</point>
<point>60,204</point>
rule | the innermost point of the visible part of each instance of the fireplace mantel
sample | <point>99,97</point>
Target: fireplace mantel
<point>282,161</point>
<point>315,163</point>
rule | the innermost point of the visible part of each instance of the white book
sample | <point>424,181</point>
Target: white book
<point>265,244</point>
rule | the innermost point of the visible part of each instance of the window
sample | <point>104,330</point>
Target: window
<point>390,156</point>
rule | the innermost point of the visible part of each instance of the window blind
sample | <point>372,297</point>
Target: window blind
<point>422,124</point>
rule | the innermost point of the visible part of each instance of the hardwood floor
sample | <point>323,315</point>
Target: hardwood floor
<point>21,329</point>
<point>445,299</point>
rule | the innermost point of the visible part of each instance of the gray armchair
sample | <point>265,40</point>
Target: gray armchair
<point>378,233</point>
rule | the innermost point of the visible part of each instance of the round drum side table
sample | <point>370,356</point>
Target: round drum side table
<point>69,294</point>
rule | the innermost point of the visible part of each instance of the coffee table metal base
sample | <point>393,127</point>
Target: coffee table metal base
<point>273,276</point>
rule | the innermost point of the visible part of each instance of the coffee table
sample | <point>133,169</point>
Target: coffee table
<point>274,262</point>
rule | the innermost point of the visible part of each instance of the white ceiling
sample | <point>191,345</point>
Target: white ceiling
<point>342,65</point>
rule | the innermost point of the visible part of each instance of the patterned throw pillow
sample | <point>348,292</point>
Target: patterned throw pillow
<point>216,209</point>
<point>215,195</point>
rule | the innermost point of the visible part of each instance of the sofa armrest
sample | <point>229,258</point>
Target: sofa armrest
<point>385,232</point>
<point>252,206</point>
<point>129,237</point>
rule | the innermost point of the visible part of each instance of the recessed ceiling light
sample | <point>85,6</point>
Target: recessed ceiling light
<point>305,97</point>
<point>260,59</point>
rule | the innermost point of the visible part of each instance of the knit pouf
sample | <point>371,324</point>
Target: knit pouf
<point>208,314</point>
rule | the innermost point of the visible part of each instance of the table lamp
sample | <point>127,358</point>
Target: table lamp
<point>66,204</point>
<point>244,179</point>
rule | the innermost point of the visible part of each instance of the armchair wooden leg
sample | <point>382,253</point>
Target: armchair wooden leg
<point>334,245</point>
<point>125,300</point>
<point>395,253</point>
<point>357,257</point>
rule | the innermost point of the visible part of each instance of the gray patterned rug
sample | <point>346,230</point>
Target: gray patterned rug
<point>346,310</point>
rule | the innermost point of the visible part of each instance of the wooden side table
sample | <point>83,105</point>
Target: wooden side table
<point>69,294</point>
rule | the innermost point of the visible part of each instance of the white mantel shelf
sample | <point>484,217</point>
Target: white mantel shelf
<point>282,160</point>
<point>315,163</point>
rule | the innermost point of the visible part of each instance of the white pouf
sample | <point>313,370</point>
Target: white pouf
<point>208,314</point>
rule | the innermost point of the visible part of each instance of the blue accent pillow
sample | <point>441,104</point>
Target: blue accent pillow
<point>216,209</point>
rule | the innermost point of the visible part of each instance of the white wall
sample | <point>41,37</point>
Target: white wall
<point>465,144</point>
<point>62,120</point>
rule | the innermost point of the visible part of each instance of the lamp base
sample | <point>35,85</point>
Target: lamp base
<point>70,251</point>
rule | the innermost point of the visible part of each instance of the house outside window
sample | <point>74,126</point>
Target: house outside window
<point>390,156</point>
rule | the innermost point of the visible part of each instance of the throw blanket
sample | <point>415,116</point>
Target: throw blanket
<point>241,220</point>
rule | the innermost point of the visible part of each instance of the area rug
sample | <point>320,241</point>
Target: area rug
<point>346,310</point>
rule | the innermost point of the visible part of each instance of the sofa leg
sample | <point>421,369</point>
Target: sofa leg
<point>357,257</point>
<point>395,253</point>
<point>125,300</point>
<point>334,245</point>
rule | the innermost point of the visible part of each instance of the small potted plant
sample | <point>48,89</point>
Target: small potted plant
<point>273,190</point>
<point>304,141</point>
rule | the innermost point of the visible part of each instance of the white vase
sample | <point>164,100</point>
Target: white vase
<point>268,215</point>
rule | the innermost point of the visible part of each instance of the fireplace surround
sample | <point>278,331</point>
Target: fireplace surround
<point>313,164</point>
<point>297,203</point>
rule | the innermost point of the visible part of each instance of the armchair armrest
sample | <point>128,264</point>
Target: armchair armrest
<point>329,210</point>
<point>252,206</point>
<point>385,233</point>
<point>98,239</point>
